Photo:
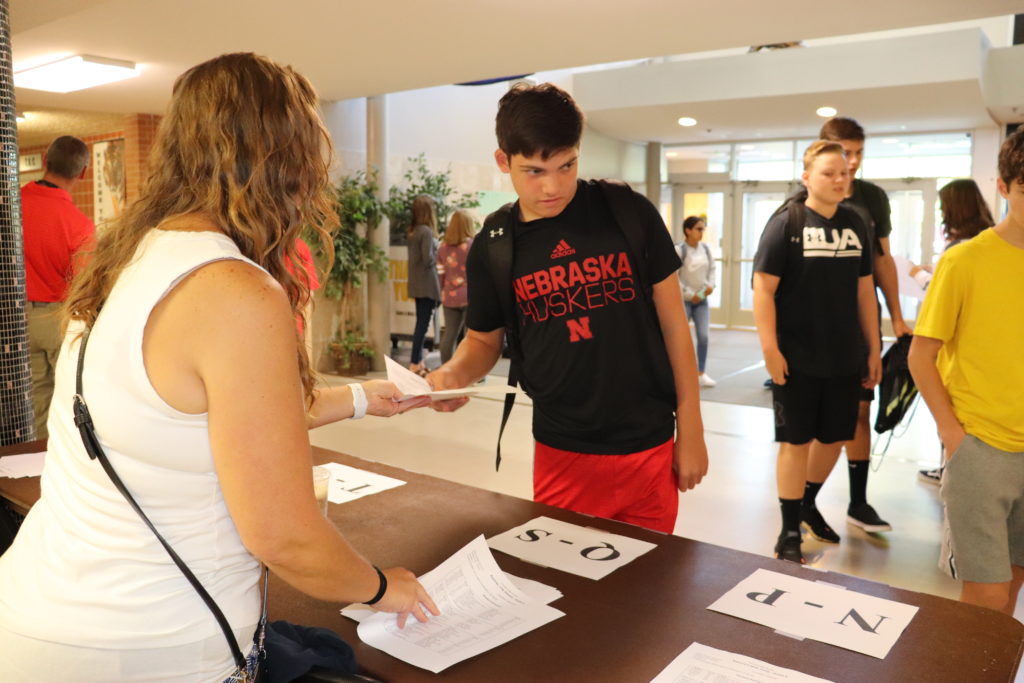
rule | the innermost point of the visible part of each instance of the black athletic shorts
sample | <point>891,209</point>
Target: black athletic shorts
<point>819,408</point>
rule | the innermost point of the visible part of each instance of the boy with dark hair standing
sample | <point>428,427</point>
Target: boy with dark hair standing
<point>816,319</point>
<point>598,330</point>
<point>871,203</point>
<point>966,359</point>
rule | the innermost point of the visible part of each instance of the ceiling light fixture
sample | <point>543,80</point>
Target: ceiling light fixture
<point>826,112</point>
<point>671,155</point>
<point>687,121</point>
<point>75,73</point>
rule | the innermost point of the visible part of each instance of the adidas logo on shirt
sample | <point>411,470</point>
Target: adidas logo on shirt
<point>562,249</point>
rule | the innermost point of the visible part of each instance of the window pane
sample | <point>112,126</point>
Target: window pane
<point>765,161</point>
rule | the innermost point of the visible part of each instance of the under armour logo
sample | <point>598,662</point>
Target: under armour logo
<point>497,233</point>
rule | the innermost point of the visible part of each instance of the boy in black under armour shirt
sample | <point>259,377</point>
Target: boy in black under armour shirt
<point>606,354</point>
<point>815,311</point>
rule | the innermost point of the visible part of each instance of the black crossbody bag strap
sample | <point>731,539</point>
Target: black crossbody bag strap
<point>83,420</point>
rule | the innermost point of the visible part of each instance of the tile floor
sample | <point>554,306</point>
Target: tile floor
<point>736,505</point>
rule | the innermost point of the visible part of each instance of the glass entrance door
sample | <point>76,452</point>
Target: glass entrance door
<point>755,203</point>
<point>713,203</point>
<point>914,229</point>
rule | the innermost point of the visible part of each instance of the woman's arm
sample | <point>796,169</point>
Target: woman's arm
<point>709,281</point>
<point>691,453</point>
<point>258,431</point>
<point>332,404</point>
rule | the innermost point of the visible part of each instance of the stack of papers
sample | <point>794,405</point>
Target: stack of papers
<point>480,609</point>
<point>699,663</point>
<point>412,385</point>
<point>18,466</point>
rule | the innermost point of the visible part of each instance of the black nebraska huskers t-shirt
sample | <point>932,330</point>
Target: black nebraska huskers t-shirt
<point>595,362</point>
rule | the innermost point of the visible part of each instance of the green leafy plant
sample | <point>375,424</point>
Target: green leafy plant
<point>355,258</point>
<point>420,180</point>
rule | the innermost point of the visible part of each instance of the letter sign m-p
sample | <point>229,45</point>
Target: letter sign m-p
<point>579,329</point>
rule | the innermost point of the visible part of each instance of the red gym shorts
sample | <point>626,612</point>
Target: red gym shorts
<point>638,488</point>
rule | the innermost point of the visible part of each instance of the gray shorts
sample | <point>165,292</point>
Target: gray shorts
<point>983,492</point>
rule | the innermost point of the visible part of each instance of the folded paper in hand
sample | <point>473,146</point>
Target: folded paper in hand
<point>412,385</point>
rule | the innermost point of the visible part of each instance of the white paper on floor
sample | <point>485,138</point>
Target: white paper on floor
<point>819,611</point>
<point>570,548</point>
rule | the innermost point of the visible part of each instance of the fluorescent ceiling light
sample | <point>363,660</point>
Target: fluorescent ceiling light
<point>687,121</point>
<point>75,73</point>
<point>826,112</point>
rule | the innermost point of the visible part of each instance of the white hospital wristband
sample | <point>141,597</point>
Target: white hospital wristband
<point>359,402</point>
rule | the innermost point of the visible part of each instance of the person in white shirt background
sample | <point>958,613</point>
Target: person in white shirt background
<point>697,277</point>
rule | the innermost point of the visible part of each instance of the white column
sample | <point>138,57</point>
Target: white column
<point>379,293</point>
<point>653,189</point>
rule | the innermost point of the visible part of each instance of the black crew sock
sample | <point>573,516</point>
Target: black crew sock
<point>811,493</point>
<point>790,514</point>
<point>859,481</point>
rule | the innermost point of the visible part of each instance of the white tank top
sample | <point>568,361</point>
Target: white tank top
<point>84,569</point>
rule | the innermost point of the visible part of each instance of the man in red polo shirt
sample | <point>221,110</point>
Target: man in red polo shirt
<point>54,232</point>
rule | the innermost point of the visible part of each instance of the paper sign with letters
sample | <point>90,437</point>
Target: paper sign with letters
<point>819,611</point>
<point>699,663</point>
<point>570,548</point>
<point>348,483</point>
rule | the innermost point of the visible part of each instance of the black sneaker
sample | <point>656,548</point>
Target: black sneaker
<point>864,516</point>
<point>812,520</point>
<point>788,547</point>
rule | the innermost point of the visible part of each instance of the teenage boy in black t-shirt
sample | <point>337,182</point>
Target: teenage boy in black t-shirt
<point>872,205</point>
<point>606,352</point>
<point>815,312</point>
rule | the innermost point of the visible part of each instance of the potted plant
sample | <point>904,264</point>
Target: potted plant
<point>420,180</point>
<point>355,259</point>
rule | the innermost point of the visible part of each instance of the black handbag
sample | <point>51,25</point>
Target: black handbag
<point>281,652</point>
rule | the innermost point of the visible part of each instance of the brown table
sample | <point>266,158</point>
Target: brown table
<point>631,624</point>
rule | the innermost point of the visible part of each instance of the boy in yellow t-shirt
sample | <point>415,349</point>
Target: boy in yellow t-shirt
<point>967,359</point>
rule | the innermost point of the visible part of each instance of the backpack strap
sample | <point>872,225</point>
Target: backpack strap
<point>497,233</point>
<point>625,207</point>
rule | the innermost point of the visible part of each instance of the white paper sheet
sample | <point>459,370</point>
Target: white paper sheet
<point>570,548</point>
<point>700,663</point>
<point>348,483</point>
<point>480,609</point>
<point>23,465</point>
<point>908,286</point>
<point>540,593</point>
<point>412,385</point>
<point>819,611</point>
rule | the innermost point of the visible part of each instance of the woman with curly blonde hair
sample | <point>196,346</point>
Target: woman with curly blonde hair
<point>201,396</point>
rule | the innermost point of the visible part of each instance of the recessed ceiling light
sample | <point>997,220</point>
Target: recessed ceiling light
<point>826,112</point>
<point>687,121</point>
<point>75,73</point>
<point>671,155</point>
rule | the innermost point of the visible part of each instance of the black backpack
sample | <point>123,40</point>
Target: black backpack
<point>497,237</point>
<point>897,391</point>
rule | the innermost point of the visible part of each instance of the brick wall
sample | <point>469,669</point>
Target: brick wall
<point>138,132</point>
